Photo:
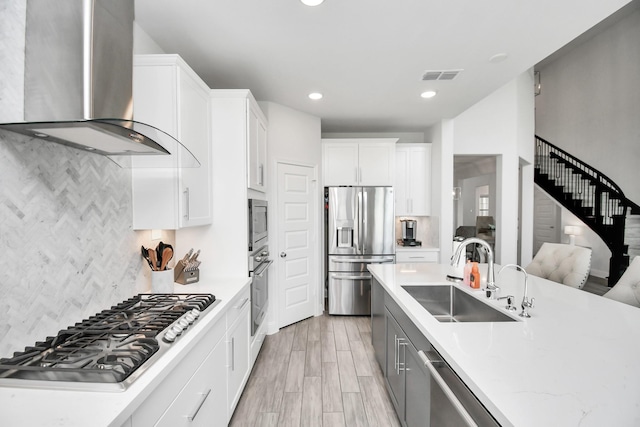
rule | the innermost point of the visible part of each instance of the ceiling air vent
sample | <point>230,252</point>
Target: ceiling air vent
<point>440,75</point>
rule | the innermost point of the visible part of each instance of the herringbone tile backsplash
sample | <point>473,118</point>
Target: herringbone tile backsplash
<point>68,249</point>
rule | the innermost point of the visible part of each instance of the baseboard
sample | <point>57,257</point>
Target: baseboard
<point>602,274</point>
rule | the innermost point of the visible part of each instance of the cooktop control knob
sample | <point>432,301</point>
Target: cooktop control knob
<point>177,329</point>
<point>170,336</point>
<point>190,317</point>
<point>183,323</point>
<point>195,312</point>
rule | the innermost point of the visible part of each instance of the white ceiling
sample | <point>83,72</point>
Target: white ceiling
<point>366,56</point>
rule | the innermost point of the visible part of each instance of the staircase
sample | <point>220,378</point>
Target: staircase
<point>591,196</point>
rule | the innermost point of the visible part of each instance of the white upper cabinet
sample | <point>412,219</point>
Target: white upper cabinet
<point>257,147</point>
<point>413,179</point>
<point>170,96</point>
<point>361,161</point>
<point>240,129</point>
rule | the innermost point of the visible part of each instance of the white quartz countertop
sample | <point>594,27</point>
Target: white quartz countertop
<point>573,363</point>
<point>30,407</point>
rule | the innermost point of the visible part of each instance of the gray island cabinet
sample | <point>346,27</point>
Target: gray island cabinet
<point>524,372</point>
<point>423,388</point>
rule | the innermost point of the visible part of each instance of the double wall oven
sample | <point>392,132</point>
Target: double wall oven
<point>259,262</point>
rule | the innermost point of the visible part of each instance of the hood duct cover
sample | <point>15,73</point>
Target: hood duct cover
<point>78,82</point>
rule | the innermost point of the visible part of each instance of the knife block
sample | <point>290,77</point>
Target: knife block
<point>186,277</point>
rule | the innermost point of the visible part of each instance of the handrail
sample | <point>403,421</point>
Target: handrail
<point>545,154</point>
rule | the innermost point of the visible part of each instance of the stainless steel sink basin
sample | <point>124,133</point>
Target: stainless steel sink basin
<point>450,304</point>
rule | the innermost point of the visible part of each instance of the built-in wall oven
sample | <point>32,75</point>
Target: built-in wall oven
<point>259,262</point>
<point>258,233</point>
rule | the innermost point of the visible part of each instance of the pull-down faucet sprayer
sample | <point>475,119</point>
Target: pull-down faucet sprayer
<point>491,289</point>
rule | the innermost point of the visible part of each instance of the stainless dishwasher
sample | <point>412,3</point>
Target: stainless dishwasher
<point>452,403</point>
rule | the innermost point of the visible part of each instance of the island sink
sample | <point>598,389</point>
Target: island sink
<point>449,304</point>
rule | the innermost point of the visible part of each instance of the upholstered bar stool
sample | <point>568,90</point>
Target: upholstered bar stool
<point>566,264</point>
<point>627,289</point>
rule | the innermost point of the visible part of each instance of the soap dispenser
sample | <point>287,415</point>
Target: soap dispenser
<point>474,277</point>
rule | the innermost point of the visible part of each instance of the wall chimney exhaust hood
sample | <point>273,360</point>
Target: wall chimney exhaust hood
<point>78,84</point>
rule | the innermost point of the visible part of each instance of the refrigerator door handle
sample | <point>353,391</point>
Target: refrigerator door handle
<point>364,219</point>
<point>362,261</point>
<point>351,277</point>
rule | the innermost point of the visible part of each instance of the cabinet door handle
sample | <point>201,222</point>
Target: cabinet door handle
<point>402,365</point>
<point>356,171</point>
<point>186,203</point>
<point>395,354</point>
<point>195,414</point>
<point>239,306</point>
<point>233,354</point>
<point>261,169</point>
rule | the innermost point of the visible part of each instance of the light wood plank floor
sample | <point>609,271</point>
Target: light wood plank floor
<point>318,372</point>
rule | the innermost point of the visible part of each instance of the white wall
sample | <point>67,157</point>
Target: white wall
<point>442,137</point>
<point>502,125</point>
<point>589,107</point>
<point>293,137</point>
<point>590,101</point>
<point>143,44</point>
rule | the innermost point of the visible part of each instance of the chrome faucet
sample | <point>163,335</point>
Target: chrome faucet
<point>491,289</point>
<point>526,302</point>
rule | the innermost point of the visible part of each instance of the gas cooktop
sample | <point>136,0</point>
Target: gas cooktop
<point>109,350</point>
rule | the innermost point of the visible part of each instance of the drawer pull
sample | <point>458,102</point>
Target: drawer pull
<point>195,414</point>
<point>244,302</point>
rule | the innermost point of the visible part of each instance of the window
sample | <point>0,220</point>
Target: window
<point>482,200</point>
<point>483,205</point>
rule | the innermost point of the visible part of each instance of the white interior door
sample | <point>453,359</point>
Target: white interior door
<point>546,221</point>
<point>297,230</point>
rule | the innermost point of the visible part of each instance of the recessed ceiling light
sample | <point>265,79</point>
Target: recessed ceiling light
<point>498,57</point>
<point>311,2</point>
<point>428,94</point>
<point>315,96</point>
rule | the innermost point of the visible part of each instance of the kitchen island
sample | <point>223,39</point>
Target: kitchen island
<point>574,362</point>
<point>28,406</point>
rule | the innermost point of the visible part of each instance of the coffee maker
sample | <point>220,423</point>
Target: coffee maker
<point>409,232</point>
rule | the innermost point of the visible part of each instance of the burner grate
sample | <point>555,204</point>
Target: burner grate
<point>107,347</point>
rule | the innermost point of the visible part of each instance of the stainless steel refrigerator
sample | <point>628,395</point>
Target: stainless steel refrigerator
<point>360,230</point>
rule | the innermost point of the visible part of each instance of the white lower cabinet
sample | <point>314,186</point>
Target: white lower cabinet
<point>206,385</point>
<point>238,360</point>
<point>202,401</point>
<point>256,342</point>
<point>198,382</point>
<point>417,255</point>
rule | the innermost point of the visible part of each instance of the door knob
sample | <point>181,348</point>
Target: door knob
<point>283,254</point>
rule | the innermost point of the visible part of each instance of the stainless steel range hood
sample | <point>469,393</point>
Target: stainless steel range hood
<point>78,82</point>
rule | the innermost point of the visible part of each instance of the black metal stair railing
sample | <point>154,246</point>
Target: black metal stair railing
<point>590,195</point>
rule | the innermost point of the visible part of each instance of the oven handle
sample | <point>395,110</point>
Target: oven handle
<point>445,387</point>
<point>263,268</point>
